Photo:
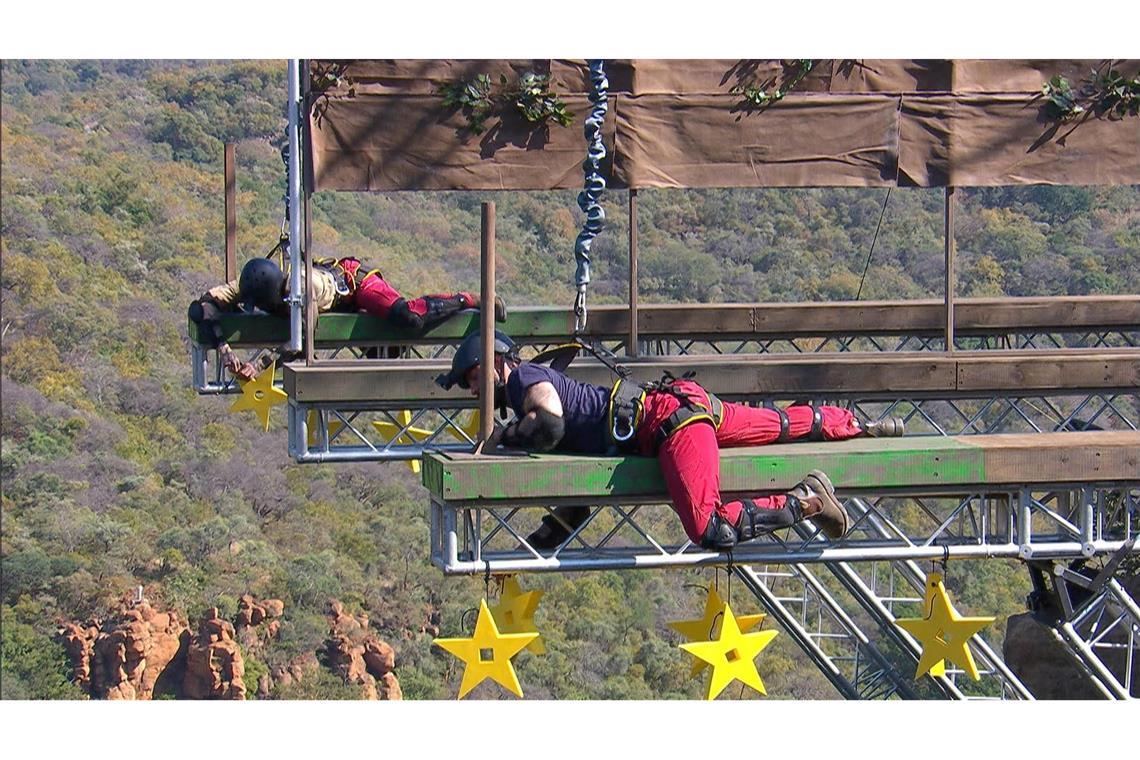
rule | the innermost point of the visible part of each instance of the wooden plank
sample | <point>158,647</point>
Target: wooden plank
<point>918,463</point>
<point>1105,456</point>
<point>973,317</point>
<point>1010,373</point>
<point>927,374</point>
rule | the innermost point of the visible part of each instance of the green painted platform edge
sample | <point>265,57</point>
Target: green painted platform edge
<point>860,463</point>
<point>259,329</point>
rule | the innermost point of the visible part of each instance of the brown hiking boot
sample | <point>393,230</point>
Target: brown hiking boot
<point>816,497</point>
<point>473,301</point>
<point>888,427</point>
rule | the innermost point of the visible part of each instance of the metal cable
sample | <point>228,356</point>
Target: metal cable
<point>594,184</point>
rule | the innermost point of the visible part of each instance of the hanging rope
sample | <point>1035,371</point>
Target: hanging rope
<point>870,252</point>
<point>590,197</point>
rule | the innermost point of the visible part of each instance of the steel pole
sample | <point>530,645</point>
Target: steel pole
<point>296,300</point>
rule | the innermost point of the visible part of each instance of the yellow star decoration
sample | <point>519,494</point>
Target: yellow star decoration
<point>472,426</point>
<point>259,395</point>
<point>411,435</point>
<point>944,633</point>
<point>732,655</point>
<point>706,628</point>
<point>488,654</point>
<point>311,421</point>
<point>515,612</point>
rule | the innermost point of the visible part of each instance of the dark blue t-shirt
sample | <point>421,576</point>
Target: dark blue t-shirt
<point>584,406</point>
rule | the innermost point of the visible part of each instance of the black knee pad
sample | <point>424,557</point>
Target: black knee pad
<point>401,316</point>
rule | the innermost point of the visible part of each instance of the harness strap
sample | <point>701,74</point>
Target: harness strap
<point>627,403</point>
<point>816,424</point>
<point>785,426</point>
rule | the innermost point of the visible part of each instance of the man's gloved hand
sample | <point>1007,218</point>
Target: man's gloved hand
<point>246,371</point>
<point>239,369</point>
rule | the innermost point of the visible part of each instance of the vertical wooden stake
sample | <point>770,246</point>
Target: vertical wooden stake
<point>951,277</point>
<point>631,346</point>
<point>487,324</point>
<point>231,213</point>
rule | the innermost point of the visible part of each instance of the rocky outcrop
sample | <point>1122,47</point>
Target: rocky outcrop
<point>257,623</point>
<point>125,656</point>
<point>139,651</point>
<point>299,669</point>
<point>359,656</point>
<point>214,664</point>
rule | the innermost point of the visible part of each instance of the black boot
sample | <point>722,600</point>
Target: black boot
<point>719,535</point>
<point>556,528</point>
<point>755,521</point>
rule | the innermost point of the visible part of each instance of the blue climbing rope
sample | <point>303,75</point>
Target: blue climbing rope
<point>590,197</point>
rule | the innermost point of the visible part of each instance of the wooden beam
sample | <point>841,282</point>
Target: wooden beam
<point>913,464</point>
<point>974,317</point>
<point>866,375</point>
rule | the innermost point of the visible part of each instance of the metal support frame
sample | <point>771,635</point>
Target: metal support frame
<point>1023,522</point>
<point>967,415</point>
<point>295,299</point>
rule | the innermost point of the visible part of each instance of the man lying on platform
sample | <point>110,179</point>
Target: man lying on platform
<point>344,285</point>
<point>680,423</point>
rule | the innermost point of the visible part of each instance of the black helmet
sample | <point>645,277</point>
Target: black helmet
<point>469,353</point>
<point>262,285</point>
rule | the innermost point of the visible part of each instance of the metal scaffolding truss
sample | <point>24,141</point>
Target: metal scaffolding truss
<point>1027,522</point>
<point>1094,618</point>
<point>208,377</point>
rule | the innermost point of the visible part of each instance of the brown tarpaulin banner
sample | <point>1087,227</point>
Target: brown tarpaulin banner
<point>380,125</point>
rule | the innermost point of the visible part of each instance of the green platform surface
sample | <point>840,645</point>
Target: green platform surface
<point>909,463</point>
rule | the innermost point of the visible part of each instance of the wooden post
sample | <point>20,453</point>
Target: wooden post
<point>951,279</point>
<point>231,213</point>
<point>631,346</point>
<point>487,324</point>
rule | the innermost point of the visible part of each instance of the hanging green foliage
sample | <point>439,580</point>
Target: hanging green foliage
<point>1106,92</point>
<point>764,94</point>
<point>530,96</point>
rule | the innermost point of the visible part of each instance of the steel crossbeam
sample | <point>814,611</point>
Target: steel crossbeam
<point>882,609</point>
<point>1019,523</point>
<point>838,647</point>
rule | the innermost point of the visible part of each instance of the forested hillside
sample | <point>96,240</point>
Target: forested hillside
<point>115,474</point>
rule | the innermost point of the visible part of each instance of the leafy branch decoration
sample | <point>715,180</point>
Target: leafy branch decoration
<point>530,96</point>
<point>766,93</point>
<point>1104,92</point>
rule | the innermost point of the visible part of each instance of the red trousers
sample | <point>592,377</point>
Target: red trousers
<point>690,458</point>
<point>376,296</point>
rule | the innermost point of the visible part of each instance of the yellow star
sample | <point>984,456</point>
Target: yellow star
<point>732,655</point>
<point>488,654</point>
<point>472,426</point>
<point>706,628</point>
<point>259,395</point>
<point>944,633</point>
<point>411,435</point>
<point>515,612</point>
<point>311,421</point>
